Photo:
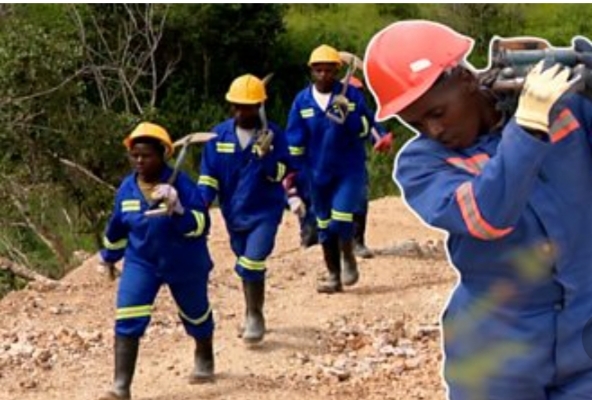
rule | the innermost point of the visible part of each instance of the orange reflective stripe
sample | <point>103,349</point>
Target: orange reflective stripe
<point>563,125</point>
<point>473,165</point>
<point>477,226</point>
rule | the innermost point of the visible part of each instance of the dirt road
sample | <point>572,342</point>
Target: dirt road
<point>378,340</point>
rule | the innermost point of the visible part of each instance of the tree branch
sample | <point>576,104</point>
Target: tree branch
<point>26,273</point>
<point>86,172</point>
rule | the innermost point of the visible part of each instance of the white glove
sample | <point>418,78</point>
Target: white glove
<point>541,91</point>
<point>297,206</point>
<point>168,194</point>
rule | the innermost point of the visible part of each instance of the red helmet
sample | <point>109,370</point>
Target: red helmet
<point>404,60</point>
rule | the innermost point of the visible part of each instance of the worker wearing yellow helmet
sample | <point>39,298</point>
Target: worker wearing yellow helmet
<point>243,167</point>
<point>327,127</point>
<point>168,249</point>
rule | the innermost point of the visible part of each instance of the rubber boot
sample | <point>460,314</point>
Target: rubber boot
<point>349,274</point>
<point>308,232</point>
<point>126,354</point>
<point>204,362</point>
<point>254,320</point>
<point>360,248</point>
<point>332,283</point>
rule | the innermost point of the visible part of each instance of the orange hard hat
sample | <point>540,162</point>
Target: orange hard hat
<point>406,58</point>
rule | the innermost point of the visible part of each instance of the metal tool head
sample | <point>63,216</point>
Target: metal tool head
<point>351,59</point>
<point>194,138</point>
<point>157,209</point>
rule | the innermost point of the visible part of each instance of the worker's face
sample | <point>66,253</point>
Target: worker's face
<point>449,112</point>
<point>246,115</point>
<point>147,160</point>
<point>324,75</point>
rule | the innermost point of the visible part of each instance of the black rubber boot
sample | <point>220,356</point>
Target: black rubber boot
<point>308,234</point>
<point>126,354</point>
<point>204,362</point>
<point>360,248</point>
<point>254,320</point>
<point>332,283</point>
<point>349,274</point>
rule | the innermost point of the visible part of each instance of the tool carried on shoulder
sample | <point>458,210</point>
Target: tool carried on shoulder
<point>512,58</point>
<point>264,137</point>
<point>338,109</point>
<point>160,208</point>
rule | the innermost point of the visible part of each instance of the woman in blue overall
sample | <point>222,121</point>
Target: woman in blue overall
<point>243,166</point>
<point>168,249</point>
<point>326,142</point>
<point>513,192</point>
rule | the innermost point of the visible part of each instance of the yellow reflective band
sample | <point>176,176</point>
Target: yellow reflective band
<point>222,147</point>
<point>130,205</point>
<point>366,128</point>
<point>296,151</point>
<point>351,106</point>
<point>196,321</point>
<point>281,172</point>
<point>323,223</point>
<point>341,216</point>
<point>307,113</point>
<point>208,181</point>
<point>120,244</point>
<point>134,312</point>
<point>251,264</point>
<point>200,220</point>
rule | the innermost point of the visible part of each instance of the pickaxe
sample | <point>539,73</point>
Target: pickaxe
<point>158,208</point>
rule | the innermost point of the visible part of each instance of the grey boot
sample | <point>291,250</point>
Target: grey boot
<point>332,283</point>
<point>126,354</point>
<point>360,248</point>
<point>204,362</point>
<point>349,274</point>
<point>254,320</point>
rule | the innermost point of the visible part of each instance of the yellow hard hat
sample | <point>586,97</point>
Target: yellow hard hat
<point>148,129</point>
<point>246,89</point>
<point>324,54</point>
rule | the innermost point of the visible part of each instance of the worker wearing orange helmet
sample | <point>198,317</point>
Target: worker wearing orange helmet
<point>504,188</point>
<point>326,129</point>
<point>244,167</point>
<point>167,249</point>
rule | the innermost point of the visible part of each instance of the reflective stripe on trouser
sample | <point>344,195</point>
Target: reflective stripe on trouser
<point>334,205</point>
<point>252,248</point>
<point>195,310</point>
<point>138,288</point>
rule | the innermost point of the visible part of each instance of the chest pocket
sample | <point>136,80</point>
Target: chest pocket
<point>473,165</point>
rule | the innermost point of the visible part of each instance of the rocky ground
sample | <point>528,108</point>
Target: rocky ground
<point>378,340</point>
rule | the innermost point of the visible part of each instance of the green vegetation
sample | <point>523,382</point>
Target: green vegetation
<point>74,79</point>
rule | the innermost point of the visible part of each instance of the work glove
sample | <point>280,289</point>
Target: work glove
<point>338,109</point>
<point>107,269</point>
<point>168,194</point>
<point>541,91</point>
<point>263,143</point>
<point>297,206</point>
<point>384,144</point>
